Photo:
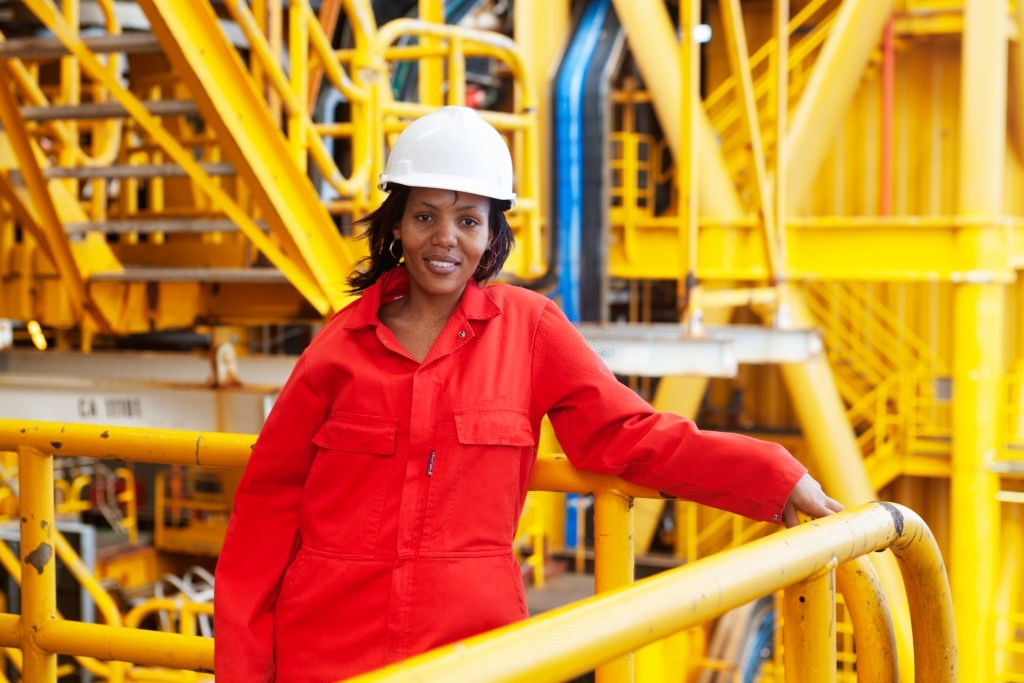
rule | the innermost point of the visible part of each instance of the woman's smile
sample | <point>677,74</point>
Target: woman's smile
<point>444,234</point>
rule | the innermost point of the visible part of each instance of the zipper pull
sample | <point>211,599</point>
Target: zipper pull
<point>430,464</point>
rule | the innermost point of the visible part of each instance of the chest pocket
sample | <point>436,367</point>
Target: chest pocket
<point>358,434</point>
<point>493,427</point>
<point>346,492</point>
<point>477,488</point>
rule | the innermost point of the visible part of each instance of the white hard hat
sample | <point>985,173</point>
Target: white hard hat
<point>452,149</point>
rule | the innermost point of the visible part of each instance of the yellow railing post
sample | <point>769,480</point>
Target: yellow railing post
<point>39,570</point>
<point>613,564</point>
<point>873,632</point>
<point>930,599</point>
<point>809,629</point>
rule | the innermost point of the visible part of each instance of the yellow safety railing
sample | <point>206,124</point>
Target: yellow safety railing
<point>571,640</point>
<point>807,563</point>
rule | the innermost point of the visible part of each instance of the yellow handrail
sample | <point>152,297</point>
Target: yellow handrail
<point>597,629</point>
<point>601,631</point>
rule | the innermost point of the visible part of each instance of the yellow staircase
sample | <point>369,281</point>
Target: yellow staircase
<point>164,176</point>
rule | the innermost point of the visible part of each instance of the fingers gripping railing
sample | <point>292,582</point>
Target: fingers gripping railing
<point>806,562</point>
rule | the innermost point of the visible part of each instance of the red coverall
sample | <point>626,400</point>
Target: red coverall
<point>375,518</point>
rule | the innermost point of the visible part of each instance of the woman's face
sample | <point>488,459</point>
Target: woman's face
<point>444,234</point>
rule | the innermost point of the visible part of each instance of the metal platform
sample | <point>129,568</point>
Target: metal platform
<point>665,349</point>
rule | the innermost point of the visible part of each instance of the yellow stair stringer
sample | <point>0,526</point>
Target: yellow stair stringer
<point>212,70</point>
<point>808,30</point>
<point>88,255</point>
<point>892,398</point>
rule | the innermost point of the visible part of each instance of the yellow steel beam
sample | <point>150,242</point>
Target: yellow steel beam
<point>921,248</point>
<point>1008,597</point>
<point>979,312</point>
<point>195,44</point>
<point>688,158</point>
<point>540,30</point>
<point>836,75</point>
<point>430,80</point>
<point>739,60</point>
<point>50,230</point>
<point>780,22</point>
<point>979,333</point>
<point>330,12</point>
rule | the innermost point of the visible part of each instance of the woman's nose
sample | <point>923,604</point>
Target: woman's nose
<point>446,234</point>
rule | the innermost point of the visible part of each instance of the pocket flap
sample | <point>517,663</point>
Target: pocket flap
<point>358,433</point>
<point>493,426</point>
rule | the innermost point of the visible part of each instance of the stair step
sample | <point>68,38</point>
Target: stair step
<point>154,225</point>
<point>51,48</point>
<point>123,171</point>
<point>150,274</point>
<point>1012,466</point>
<point>105,110</point>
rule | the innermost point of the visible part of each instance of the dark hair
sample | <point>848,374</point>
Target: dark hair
<point>378,232</point>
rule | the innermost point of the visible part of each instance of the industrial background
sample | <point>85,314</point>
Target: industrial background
<point>805,223</point>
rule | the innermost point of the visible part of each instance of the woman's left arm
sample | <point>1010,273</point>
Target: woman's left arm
<point>603,426</point>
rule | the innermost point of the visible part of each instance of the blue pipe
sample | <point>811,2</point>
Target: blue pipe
<point>568,152</point>
<point>568,143</point>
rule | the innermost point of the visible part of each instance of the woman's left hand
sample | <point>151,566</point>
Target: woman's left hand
<point>808,497</point>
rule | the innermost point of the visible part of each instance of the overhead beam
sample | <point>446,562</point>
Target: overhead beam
<point>835,77</point>
<point>665,349</point>
<point>659,350</point>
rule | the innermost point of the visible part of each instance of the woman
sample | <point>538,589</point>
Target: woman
<point>375,518</point>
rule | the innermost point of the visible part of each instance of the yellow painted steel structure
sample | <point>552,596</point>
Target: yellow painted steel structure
<point>598,632</point>
<point>852,165</point>
<point>247,220</point>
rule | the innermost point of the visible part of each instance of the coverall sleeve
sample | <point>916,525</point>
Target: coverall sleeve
<point>263,532</point>
<point>604,427</point>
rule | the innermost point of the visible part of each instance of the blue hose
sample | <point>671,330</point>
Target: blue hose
<point>568,150</point>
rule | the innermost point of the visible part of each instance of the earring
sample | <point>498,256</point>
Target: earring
<point>391,249</point>
<point>490,262</point>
